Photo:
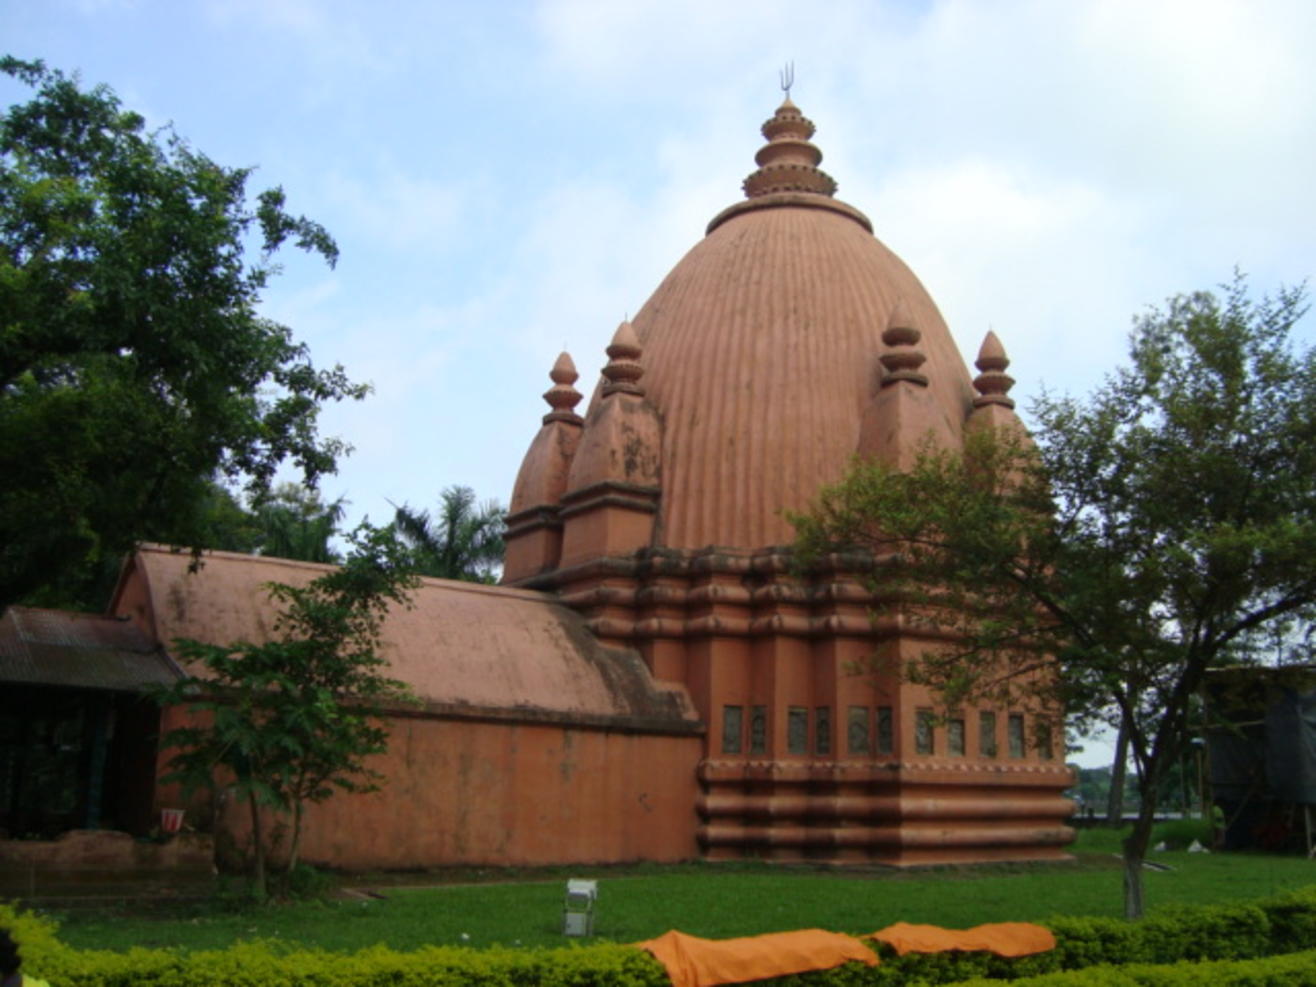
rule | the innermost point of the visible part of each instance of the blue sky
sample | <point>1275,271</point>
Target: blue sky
<point>506,178</point>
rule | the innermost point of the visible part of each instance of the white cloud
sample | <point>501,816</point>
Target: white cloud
<point>397,210</point>
<point>504,179</point>
<point>1006,249</point>
<point>655,43</point>
<point>330,40</point>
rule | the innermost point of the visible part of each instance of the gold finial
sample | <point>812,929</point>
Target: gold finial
<point>787,76</point>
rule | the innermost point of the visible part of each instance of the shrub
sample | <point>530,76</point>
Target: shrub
<point>1292,970</point>
<point>1216,944</point>
<point>1292,918</point>
<point>38,946</point>
<point>1178,834</point>
<point>302,882</point>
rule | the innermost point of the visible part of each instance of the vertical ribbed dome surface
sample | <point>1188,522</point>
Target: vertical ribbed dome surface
<point>761,353</point>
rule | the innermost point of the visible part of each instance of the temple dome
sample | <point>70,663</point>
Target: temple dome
<point>762,346</point>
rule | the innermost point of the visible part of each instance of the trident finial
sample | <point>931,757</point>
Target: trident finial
<point>787,76</point>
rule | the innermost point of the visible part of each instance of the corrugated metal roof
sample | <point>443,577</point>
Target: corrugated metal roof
<point>77,650</point>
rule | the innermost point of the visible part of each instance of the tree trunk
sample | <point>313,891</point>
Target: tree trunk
<point>1132,884</point>
<point>258,850</point>
<point>1115,797</point>
<point>1135,849</point>
<point>295,844</point>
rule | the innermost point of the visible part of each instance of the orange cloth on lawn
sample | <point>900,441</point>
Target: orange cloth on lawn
<point>1001,938</point>
<point>695,962</point>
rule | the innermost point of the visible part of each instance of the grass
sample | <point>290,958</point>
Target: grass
<point>708,900</point>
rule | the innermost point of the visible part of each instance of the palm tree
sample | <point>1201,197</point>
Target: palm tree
<point>463,540</point>
<point>296,524</point>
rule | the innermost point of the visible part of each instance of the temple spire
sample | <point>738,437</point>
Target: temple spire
<point>903,357</point>
<point>993,383</point>
<point>788,162</point>
<point>623,371</point>
<point>562,397</point>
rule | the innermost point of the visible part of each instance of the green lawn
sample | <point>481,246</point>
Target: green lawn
<point>708,900</point>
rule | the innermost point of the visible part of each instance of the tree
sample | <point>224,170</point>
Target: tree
<point>296,524</point>
<point>1118,767</point>
<point>134,366</point>
<point>463,541</point>
<point>225,524</point>
<point>293,720</point>
<point>1162,527</point>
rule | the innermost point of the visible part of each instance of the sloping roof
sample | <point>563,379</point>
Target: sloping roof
<point>463,647</point>
<point>58,648</point>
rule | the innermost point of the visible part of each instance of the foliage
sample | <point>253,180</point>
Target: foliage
<point>290,521</point>
<point>293,719</point>
<point>433,966</point>
<point>1237,941</point>
<point>462,540</point>
<point>1093,790</point>
<point>1293,970</point>
<point>295,524</point>
<point>134,367</point>
<point>35,935</point>
<point>1180,789</point>
<point>1180,834</point>
<point>1164,526</point>
<point>225,524</point>
<point>303,882</point>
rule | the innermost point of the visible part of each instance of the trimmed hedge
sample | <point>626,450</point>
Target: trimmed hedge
<point>1182,935</point>
<point>1290,970</point>
<point>1268,927</point>
<point>262,963</point>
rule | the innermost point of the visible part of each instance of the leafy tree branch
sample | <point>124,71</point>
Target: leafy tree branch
<point>297,718</point>
<point>135,368</point>
<point>1164,526</point>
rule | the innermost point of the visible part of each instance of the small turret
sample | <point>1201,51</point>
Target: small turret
<point>992,383</point>
<point>563,397</point>
<point>623,371</point>
<point>993,406</point>
<point>534,528</point>
<point>903,413</point>
<point>903,359</point>
<point>612,491</point>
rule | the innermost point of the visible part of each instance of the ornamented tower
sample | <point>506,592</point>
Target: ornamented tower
<point>788,340</point>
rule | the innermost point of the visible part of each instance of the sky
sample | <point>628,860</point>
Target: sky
<point>509,179</point>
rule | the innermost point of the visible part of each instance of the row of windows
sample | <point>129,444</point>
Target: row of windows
<point>871,730</point>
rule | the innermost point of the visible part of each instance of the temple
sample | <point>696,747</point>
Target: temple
<point>786,342</point>
<point>655,680</point>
